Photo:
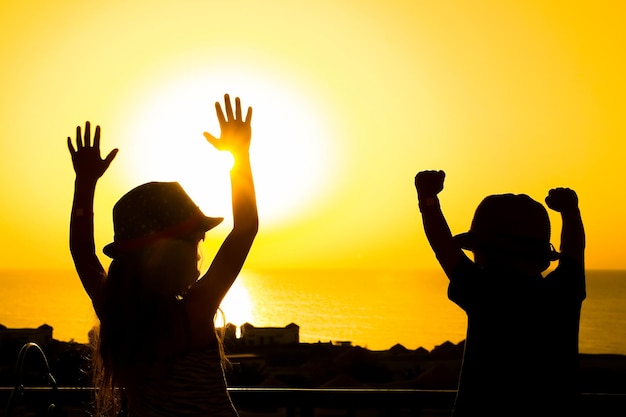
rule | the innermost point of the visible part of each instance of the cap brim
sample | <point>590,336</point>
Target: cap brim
<point>471,241</point>
<point>111,250</point>
<point>208,223</point>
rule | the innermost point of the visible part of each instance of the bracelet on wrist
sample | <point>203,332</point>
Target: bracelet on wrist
<point>427,202</point>
<point>80,212</point>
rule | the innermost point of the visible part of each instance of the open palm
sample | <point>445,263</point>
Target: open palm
<point>235,132</point>
<point>88,164</point>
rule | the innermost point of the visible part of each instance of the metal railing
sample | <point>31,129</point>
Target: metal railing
<point>294,402</point>
<point>51,399</point>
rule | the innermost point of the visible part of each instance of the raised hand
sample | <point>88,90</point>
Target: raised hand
<point>235,131</point>
<point>429,183</point>
<point>562,199</point>
<point>86,159</point>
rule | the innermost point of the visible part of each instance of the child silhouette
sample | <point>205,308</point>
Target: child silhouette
<point>157,338</point>
<point>521,348</point>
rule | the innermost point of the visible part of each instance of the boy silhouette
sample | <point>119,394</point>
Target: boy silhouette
<point>521,347</point>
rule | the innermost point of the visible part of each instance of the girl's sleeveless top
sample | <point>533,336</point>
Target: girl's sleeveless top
<point>193,385</point>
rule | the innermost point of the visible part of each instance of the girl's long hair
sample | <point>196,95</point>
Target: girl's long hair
<point>132,323</point>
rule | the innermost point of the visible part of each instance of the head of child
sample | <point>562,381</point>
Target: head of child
<point>157,230</point>
<point>510,232</point>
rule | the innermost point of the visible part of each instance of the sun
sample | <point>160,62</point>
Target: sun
<point>290,155</point>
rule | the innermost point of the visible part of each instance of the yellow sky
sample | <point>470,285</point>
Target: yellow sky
<point>351,99</point>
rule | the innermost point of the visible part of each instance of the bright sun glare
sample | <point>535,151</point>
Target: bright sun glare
<point>290,161</point>
<point>236,306</point>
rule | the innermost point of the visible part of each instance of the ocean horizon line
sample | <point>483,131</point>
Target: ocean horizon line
<point>372,309</point>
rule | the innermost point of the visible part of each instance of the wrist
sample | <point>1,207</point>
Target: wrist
<point>570,211</point>
<point>85,182</point>
<point>240,161</point>
<point>82,212</point>
<point>428,201</point>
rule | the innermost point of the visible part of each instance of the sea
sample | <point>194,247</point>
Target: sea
<point>368,308</point>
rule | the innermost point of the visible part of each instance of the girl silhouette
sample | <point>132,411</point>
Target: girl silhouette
<point>157,339</point>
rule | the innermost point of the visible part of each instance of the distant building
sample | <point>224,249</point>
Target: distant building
<point>268,336</point>
<point>228,333</point>
<point>42,335</point>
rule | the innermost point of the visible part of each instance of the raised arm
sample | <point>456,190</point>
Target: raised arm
<point>565,201</point>
<point>235,137</point>
<point>448,252</point>
<point>89,167</point>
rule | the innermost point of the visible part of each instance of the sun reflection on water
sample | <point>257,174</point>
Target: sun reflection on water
<point>236,306</point>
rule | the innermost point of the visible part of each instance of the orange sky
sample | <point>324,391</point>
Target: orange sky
<point>351,99</point>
